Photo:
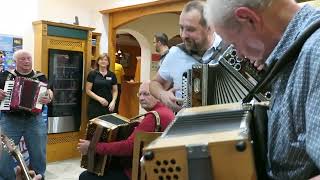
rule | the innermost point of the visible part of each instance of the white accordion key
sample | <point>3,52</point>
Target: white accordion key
<point>5,103</point>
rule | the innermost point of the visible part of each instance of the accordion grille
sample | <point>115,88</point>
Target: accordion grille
<point>207,123</point>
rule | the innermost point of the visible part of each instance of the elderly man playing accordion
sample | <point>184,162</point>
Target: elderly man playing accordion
<point>20,122</point>
<point>125,147</point>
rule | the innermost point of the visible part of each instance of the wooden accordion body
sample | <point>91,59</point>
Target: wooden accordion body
<point>212,142</point>
<point>227,81</point>
<point>106,128</point>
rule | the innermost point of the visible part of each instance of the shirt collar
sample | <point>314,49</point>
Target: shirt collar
<point>216,42</point>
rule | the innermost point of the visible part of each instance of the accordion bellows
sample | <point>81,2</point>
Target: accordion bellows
<point>228,81</point>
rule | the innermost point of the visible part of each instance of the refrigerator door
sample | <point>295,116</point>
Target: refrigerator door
<point>65,80</point>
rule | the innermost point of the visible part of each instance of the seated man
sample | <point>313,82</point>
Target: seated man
<point>125,147</point>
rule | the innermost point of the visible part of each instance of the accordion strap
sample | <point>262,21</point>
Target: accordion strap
<point>218,51</point>
<point>156,118</point>
<point>12,73</point>
<point>92,147</point>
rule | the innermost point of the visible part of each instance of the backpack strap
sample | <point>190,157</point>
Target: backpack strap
<point>290,55</point>
<point>156,118</point>
<point>12,73</point>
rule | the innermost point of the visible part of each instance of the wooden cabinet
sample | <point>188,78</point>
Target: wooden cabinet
<point>95,48</point>
<point>59,49</point>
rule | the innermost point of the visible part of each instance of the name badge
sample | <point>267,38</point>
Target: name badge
<point>108,78</point>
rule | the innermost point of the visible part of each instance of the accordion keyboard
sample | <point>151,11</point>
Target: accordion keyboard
<point>5,104</point>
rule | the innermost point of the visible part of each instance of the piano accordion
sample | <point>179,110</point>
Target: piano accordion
<point>227,81</point>
<point>212,142</point>
<point>23,94</point>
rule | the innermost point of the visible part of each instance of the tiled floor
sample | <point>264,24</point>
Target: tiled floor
<point>64,170</point>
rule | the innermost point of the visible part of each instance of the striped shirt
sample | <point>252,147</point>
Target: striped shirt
<point>294,115</point>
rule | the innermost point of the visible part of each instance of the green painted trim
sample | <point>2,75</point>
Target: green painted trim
<point>67,32</point>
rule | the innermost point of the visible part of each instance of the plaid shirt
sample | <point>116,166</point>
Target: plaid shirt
<point>294,115</point>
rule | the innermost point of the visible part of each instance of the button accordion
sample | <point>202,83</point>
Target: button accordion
<point>109,128</point>
<point>23,94</point>
<point>213,142</point>
<point>227,81</point>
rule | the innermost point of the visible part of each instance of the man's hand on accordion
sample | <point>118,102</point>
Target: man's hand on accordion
<point>83,146</point>
<point>168,98</point>
<point>2,94</point>
<point>47,97</point>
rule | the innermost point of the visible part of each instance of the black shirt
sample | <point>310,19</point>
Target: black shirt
<point>101,86</point>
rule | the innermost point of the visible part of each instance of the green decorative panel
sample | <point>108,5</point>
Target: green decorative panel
<point>67,32</point>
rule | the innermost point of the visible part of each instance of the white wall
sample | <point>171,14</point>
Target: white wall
<point>87,12</point>
<point>16,17</point>
<point>110,4</point>
<point>148,25</point>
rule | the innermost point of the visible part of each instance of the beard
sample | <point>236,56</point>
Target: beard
<point>191,46</point>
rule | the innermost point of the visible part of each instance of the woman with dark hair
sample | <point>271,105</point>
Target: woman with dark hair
<point>102,88</point>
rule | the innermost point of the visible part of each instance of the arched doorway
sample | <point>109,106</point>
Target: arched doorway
<point>118,18</point>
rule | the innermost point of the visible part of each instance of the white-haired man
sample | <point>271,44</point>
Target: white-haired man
<point>17,123</point>
<point>263,30</point>
<point>125,147</point>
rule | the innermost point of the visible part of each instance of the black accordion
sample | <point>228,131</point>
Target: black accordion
<point>227,81</point>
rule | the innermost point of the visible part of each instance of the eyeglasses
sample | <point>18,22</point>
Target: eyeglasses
<point>143,94</point>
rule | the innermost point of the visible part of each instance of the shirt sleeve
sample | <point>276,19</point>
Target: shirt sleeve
<point>125,147</point>
<point>114,79</point>
<point>167,64</point>
<point>3,78</point>
<point>91,76</point>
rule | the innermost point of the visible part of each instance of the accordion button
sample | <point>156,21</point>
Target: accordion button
<point>149,155</point>
<point>241,146</point>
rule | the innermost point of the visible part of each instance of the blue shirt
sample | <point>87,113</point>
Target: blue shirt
<point>294,115</point>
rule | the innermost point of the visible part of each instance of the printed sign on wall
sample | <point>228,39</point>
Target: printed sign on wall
<point>8,45</point>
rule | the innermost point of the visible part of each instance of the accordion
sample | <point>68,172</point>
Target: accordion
<point>109,128</point>
<point>228,81</point>
<point>213,142</point>
<point>23,94</point>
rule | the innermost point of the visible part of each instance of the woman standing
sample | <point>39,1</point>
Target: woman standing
<point>102,88</point>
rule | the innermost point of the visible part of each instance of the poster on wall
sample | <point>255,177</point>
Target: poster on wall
<point>8,45</point>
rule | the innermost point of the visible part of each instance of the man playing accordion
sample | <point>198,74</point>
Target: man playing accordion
<point>20,122</point>
<point>125,147</point>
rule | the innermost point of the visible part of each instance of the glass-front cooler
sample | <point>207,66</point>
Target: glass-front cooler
<point>65,76</point>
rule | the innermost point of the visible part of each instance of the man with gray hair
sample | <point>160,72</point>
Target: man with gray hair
<point>18,123</point>
<point>200,44</point>
<point>263,30</point>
